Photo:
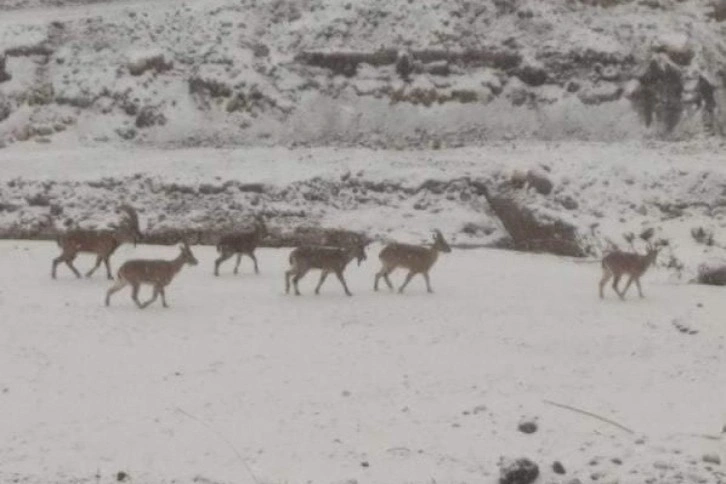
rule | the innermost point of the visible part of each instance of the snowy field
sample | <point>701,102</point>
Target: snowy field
<point>237,382</point>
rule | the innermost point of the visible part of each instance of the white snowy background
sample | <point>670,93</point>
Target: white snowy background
<point>237,382</point>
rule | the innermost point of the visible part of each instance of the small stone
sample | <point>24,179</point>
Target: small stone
<point>365,464</point>
<point>527,426</point>
<point>519,471</point>
<point>558,468</point>
<point>711,459</point>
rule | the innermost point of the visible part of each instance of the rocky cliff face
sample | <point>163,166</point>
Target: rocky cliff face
<point>389,74</point>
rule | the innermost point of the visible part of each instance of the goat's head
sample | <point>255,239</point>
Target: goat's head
<point>186,254</point>
<point>359,251</point>
<point>129,226</point>
<point>440,243</point>
<point>260,225</point>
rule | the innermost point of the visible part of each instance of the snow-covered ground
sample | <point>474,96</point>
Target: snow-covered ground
<point>237,382</point>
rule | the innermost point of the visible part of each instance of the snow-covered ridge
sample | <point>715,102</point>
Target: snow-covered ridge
<point>604,190</point>
<point>385,74</point>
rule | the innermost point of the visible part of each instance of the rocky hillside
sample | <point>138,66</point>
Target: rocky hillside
<point>376,73</point>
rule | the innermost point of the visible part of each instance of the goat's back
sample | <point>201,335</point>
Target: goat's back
<point>88,240</point>
<point>144,270</point>
<point>318,257</point>
<point>407,255</point>
<point>238,242</point>
<point>619,262</point>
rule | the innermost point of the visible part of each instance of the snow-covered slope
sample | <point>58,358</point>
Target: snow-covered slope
<point>237,380</point>
<point>379,73</point>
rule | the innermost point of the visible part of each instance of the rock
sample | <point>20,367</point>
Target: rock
<point>568,203</point>
<point>148,117</point>
<point>5,107</point>
<point>718,11</point>
<point>712,459</point>
<point>532,178</point>
<point>38,200</point>
<point>4,75</point>
<point>404,65</point>
<point>260,50</point>
<point>527,426</point>
<point>531,75</point>
<point>519,471</point>
<point>558,468</point>
<point>710,275</point>
<point>529,230</point>
<point>600,93</point>
<point>149,61</point>
<point>676,46</point>
<point>659,94</point>
<point>210,87</point>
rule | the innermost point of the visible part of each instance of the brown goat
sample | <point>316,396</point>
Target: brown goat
<point>617,263</point>
<point>327,259</point>
<point>417,259</point>
<point>241,243</point>
<point>103,243</point>
<point>158,273</point>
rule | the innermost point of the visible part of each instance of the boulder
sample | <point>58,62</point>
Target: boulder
<point>519,471</point>
<point>531,230</point>
<point>713,275</point>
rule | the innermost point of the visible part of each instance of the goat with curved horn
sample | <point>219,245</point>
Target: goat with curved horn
<point>158,273</point>
<point>241,243</point>
<point>103,243</point>
<point>618,263</point>
<point>417,259</point>
<point>327,259</point>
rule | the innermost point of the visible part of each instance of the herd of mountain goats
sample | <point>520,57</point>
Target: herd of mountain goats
<point>328,258</point>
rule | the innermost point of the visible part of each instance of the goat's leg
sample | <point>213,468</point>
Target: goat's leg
<point>69,263</point>
<point>379,274</point>
<point>342,281</point>
<point>299,274</point>
<point>120,284</point>
<point>153,298</point>
<point>288,274</point>
<point>616,281</point>
<point>236,266</point>
<point>323,275</point>
<point>606,275</point>
<point>388,279</point>
<point>254,259</point>
<point>428,283</point>
<point>108,267</point>
<point>56,261</point>
<point>223,257</point>
<point>409,276</point>
<point>99,259</point>
<point>135,294</point>
<point>625,289</point>
<point>640,289</point>
<point>163,297</point>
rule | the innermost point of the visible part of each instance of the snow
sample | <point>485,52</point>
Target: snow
<point>421,387</point>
